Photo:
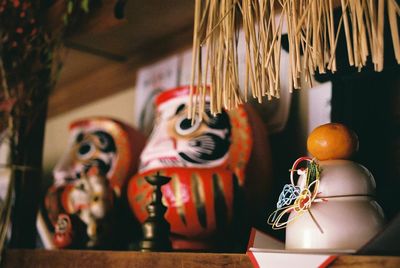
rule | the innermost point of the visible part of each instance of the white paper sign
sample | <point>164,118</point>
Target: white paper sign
<point>185,76</point>
<point>319,105</point>
<point>152,80</point>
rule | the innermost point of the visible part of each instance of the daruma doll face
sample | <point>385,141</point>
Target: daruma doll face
<point>101,156</point>
<point>205,160</point>
<point>176,141</point>
<point>103,143</point>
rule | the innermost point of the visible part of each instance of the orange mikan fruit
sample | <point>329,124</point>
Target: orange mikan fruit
<point>332,141</point>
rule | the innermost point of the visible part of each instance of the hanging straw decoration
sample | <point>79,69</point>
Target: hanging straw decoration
<point>312,34</point>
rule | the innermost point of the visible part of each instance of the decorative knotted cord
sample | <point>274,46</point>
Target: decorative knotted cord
<point>297,199</point>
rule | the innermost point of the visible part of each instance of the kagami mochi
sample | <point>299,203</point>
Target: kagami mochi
<point>332,206</point>
<point>206,159</point>
<point>89,181</point>
<point>344,214</point>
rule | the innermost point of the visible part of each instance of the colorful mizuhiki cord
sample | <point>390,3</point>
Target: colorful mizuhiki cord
<point>297,198</point>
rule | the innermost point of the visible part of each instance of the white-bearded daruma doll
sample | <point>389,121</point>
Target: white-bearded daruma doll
<point>90,181</point>
<point>210,162</point>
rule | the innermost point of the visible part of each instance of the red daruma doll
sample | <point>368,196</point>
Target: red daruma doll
<point>207,162</point>
<point>84,203</point>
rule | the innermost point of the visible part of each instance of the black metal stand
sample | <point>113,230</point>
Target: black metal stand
<point>156,229</point>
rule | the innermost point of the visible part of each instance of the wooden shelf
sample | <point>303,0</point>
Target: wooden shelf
<point>76,258</point>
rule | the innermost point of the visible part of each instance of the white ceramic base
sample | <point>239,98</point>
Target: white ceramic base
<point>346,222</point>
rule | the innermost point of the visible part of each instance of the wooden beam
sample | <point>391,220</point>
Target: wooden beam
<point>100,20</point>
<point>114,77</point>
<point>92,86</point>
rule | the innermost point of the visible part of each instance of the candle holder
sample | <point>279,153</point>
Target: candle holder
<point>156,229</point>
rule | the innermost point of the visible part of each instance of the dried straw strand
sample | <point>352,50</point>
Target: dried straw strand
<point>393,9</point>
<point>312,35</point>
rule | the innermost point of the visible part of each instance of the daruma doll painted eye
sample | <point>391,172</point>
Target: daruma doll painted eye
<point>91,176</point>
<point>207,162</point>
